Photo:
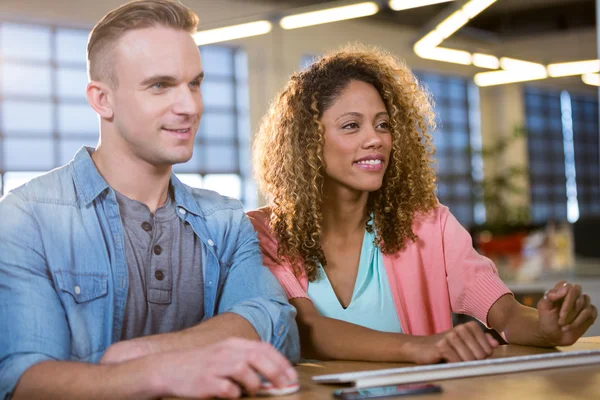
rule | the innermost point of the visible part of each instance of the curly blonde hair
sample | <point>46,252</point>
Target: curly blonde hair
<point>288,153</point>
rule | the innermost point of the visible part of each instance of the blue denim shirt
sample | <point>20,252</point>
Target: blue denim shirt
<point>64,277</point>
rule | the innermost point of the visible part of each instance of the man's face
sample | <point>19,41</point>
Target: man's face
<point>157,104</point>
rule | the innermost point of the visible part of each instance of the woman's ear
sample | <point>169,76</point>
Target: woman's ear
<point>99,96</point>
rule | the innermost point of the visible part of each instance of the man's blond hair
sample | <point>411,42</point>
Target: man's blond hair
<point>138,14</point>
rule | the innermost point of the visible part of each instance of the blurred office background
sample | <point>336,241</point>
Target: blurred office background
<point>517,141</point>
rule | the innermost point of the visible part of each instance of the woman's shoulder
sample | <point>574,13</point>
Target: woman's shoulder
<point>260,219</point>
<point>430,219</point>
<point>260,214</point>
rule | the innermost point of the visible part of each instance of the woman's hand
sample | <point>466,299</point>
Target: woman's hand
<point>565,314</point>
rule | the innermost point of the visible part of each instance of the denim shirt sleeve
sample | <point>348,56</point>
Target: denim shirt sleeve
<point>251,291</point>
<point>34,326</point>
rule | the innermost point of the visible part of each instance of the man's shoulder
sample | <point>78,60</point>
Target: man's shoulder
<point>211,202</point>
<point>54,187</point>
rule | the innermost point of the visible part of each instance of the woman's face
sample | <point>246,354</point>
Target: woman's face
<point>357,137</point>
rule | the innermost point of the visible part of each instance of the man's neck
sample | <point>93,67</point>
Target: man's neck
<point>133,178</point>
<point>344,212</point>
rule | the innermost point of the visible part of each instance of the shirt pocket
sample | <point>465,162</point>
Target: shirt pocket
<point>85,300</point>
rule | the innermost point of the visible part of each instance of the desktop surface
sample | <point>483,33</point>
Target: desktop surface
<point>560,383</point>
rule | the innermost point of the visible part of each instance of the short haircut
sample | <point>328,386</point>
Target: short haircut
<point>138,14</point>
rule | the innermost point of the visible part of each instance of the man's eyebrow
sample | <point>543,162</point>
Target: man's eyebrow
<point>167,79</point>
<point>199,77</point>
<point>158,78</point>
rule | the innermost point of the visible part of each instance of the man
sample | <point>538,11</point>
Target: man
<point>111,259</point>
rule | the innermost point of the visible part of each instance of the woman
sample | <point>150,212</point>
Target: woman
<point>372,262</point>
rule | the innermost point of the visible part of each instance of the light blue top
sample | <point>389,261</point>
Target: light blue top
<point>372,305</point>
<point>64,277</point>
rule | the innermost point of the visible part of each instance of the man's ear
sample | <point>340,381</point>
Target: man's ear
<point>99,96</point>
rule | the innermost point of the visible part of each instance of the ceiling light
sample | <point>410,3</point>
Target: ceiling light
<point>429,41</point>
<point>232,32</point>
<point>444,54</point>
<point>451,24</point>
<point>591,79</point>
<point>474,7</point>
<point>516,65</point>
<point>573,68</point>
<point>329,15</point>
<point>503,77</point>
<point>485,61</point>
<point>398,5</point>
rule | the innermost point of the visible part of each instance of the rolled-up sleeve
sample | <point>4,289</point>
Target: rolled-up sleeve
<point>34,326</point>
<point>252,292</point>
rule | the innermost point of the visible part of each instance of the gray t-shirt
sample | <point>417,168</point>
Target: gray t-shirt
<point>166,287</point>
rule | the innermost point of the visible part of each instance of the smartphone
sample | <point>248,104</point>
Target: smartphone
<point>387,391</point>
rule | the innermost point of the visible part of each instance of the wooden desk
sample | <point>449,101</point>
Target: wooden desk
<point>568,383</point>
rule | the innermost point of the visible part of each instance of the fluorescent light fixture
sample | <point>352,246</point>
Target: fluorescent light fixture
<point>503,77</point>
<point>591,79</point>
<point>453,23</point>
<point>573,68</point>
<point>485,61</point>
<point>232,32</point>
<point>428,42</point>
<point>516,65</point>
<point>444,54</point>
<point>398,5</point>
<point>475,7</point>
<point>329,15</point>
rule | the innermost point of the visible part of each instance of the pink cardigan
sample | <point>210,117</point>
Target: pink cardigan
<point>429,278</point>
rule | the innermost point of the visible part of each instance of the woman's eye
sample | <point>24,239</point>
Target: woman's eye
<point>384,125</point>
<point>351,125</point>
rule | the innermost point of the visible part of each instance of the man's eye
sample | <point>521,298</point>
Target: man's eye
<point>158,85</point>
<point>195,83</point>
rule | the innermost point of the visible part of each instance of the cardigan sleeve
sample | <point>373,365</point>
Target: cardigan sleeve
<point>295,287</point>
<point>473,282</point>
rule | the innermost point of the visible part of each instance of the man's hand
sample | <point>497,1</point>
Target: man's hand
<point>565,314</point>
<point>127,350</point>
<point>465,342</point>
<point>223,370</point>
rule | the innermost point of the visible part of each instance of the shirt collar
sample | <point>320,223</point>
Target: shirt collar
<point>88,181</point>
<point>90,184</point>
<point>183,198</point>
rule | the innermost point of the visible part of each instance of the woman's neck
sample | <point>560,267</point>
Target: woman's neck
<point>344,212</point>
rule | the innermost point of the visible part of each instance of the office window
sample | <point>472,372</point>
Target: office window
<point>222,159</point>
<point>546,155</point>
<point>584,110</point>
<point>453,142</point>
<point>45,117</point>
<point>307,60</point>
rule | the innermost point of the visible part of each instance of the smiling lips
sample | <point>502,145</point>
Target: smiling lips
<point>370,163</point>
<point>183,133</point>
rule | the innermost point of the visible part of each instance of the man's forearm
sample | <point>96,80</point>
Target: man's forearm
<point>72,380</point>
<point>218,328</point>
